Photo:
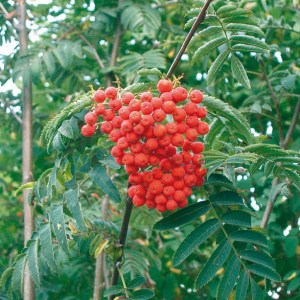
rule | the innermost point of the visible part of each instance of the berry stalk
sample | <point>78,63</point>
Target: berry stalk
<point>188,38</point>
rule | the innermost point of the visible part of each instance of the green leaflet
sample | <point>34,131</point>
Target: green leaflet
<point>237,218</point>
<point>142,294</point>
<point>242,286</point>
<point>227,198</point>
<point>194,240</point>
<point>113,290</point>
<point>249,236</point>
<point>99,176</point>
<point>239,72</point>
<point>238,27</point>
<point>47,245</point>
<point>5,277</point>
<point>182,216</point>
<point>258,257</point>
<point>248,40</point>
<point>230,275</point>
<point>218,62</point>
<point>208,47</point>
<point>264,272</point>
<point>256,291</point>
<point>214,263</point>
<point>58,223</point>
<point>136,282</point>
<point>71,197</point>
<point>32,258</point>
<point>18,275</point>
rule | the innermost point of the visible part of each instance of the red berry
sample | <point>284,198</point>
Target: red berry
<point>161,208</point>
<point>159,130</point>
<point>123,143</point>
<point>127,126</point>
<point>139,129</point>
<point>167,179</point>
<point>108,115</point>
<point>197,147</point>
<point>146,108</point>
<point>106,127</point>
<point>179,114</point>
<point>90,118</point>
<point>131,169</point>
<point>99,109</point>
<point>183,203</point>
<point>178,184</point>
<point>164,85</point>
<point>157,173</point>
<point>203,128</point>
<point>177,159</point>
<point>169,190</point>
<point>171,127</point>
<point>141,160</point>
<point>147,177</point>
<point>179,196</point>
<point>131,191</point>
<point>169,107</point>
<point>111,92</point>
<point>165,165</point>
<point>114,135</point>
<point>138,201</point>
<point>164,141</point>
<point>115,104</point>
<point>187,146</point>
<point>127,97</point>
<point>178,172</point>
<point>160,199</point>
<point>179,94</point>
<point>186,156</point>
<point>150,204</point>
<point>128,159</point>
<point>136,148</point>
<point>201,112</point>
<point>192,121</point>
<point>155,187</point>
<point>177,139</point>
<point>99,96</point>
<point>168,96</point>
<point>116,122</point>
<point>147,120</point>
<point>171,205</point>
<point>116,151</point>
<point>140,190</point>
<point>124,113</point>
<point>154,160</point>
<point>135,117</point>
<point>146,97</point>
<point>191,108</point>
<point>135,179</point>
<point>191,134</point>
<point>190,180</point>
<point>88,130</point>
<point>187,191</point>
<point>132,137</point>
<point>200,172</point>
<point>196,160</point>
<point>196,96</point>
<point>181,127</point>
<point>134,105</point>
<point>156,103</point>
<point>158,115</point>
<point>151,144</point>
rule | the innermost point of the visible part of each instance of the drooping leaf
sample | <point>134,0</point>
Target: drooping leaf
<point>237,218</point>
<point>18,275</point>
<point>182,216</point>
<point>227,198</point>
<point>113,290</point>
<point>47,245</point>
<point>242,286</point>
<point>249,236</point>
<point>194,240</point>
<point>99,176</point>
<point>256,291</point>
<point>258,257</point>
<point>58,223</point>
<point>264,272</point>
<point>33,264</point>
<point>239,72</point>
<point>228,281</point>
<point>136,282</point>
<point>217,64</point>
<point>71,197</point>
<point>214,263</point>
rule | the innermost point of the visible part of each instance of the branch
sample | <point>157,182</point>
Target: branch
<point>269,207</point>
<point>292,125</point>
<point>275,101</point>
<point>116,45</point>
<point>122,239</point>
<point>8,16</point>
<point>189,36</point>
<point>12,112</point>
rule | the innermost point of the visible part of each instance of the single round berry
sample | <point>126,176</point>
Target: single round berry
<point>179,94</point>
<point>138,201</point>
<point>90,118</point>
<point>203,128</point>
<point>196,96</point>
<point>191,134</point>
<point>197,147</point>
<point>127,97</point>
<point>168,96</point>
<point>99,96</point>
<point>171,205</point>
<point>146,108</point>
<point>201,112</point>
<point>106,127</point>
<point>158,115</point>
<point>88,130</point>
<point>146,97</point>
<point>111,92</point>
<point>99,109</point>
<point>169,107</point>
<point>164,85</point>
<point>179,114</point>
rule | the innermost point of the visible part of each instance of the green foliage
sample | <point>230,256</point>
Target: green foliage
<point>231,31</point>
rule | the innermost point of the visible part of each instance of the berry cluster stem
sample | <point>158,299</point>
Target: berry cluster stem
<point>122,238</point>
<point>188,38</point>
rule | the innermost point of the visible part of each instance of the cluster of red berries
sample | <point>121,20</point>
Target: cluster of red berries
<point>155,140</point>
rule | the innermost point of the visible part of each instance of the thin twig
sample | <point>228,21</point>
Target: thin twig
<point>189,36</point>
<point>8,16</point>
<point>116,44</point>
<point>292,125</point>
<point>275,101</point>
<point>269,207</point>
<point>12,112</point>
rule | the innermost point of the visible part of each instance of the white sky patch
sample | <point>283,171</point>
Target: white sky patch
<point>185,57</point>
<point>277,54</point>
<point>287,230</point>
<point>254,204</point>
<point>198,76</point>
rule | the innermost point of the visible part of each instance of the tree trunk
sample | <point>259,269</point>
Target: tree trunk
<point>26,144</point>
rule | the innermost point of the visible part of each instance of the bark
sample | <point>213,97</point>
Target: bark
<point>26,144</point>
